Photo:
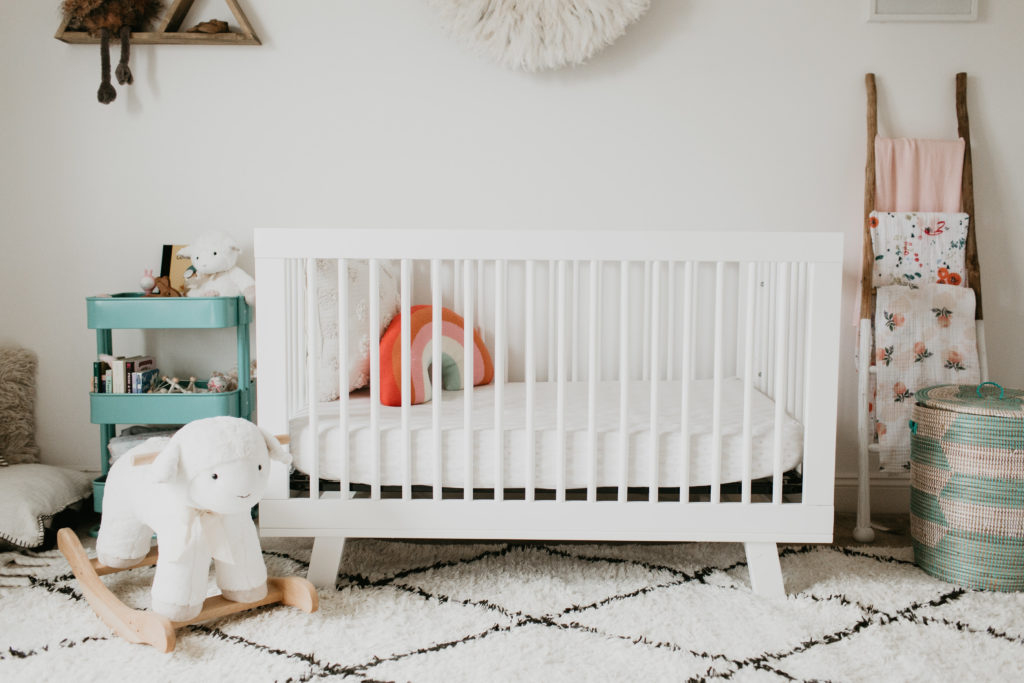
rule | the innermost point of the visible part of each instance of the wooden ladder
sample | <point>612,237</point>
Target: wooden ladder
<point>862,531</point>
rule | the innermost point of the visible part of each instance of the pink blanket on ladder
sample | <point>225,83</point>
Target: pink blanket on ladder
<point>918,175</point>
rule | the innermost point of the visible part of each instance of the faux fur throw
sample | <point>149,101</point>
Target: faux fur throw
<point>18,406</point>
<point>535,35</point>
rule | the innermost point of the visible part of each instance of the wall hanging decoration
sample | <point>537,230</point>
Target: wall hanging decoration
<point>103,18</point>
<point>168,29</point>
<point>536,35</point>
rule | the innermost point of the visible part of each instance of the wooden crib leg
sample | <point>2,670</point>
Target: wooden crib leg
<point>325,560</point>
<point>765,570</point>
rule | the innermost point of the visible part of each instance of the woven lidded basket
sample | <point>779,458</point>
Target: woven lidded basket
<point>967,484</point>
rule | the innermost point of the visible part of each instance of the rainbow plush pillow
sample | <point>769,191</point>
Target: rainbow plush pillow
<point>422,350</point>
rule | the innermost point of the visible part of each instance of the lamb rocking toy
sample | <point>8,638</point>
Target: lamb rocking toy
<point>195,490</point>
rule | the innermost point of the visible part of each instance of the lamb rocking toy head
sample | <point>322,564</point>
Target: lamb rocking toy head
<point>196,494</point>
<point>105,18</point>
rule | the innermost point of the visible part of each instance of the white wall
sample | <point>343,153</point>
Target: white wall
<point>714,114</point>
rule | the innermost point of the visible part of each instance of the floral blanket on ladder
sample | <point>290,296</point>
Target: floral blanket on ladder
<point>923,336</point>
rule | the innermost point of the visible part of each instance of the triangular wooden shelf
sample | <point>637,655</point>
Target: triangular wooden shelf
<point>168,30</point>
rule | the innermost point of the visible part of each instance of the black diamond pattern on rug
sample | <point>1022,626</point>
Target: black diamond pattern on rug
<point>405,610</point>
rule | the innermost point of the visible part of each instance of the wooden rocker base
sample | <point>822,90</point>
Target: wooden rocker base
<point>150,628</point>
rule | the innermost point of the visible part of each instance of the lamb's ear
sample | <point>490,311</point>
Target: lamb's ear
<point>186,251</point>
<point>165,467</point>
<point>274,448</point>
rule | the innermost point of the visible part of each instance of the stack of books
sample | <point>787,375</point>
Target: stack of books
<point>125,375</point>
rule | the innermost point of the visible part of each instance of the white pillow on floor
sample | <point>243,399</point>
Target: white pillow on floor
<point>32,493</point>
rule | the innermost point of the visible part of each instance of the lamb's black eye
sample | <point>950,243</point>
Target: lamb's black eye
<point>213,476</point>
<point>214,253</point>
<point>259,467</point>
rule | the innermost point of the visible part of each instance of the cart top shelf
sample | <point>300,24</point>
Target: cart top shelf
<point>135,311</point>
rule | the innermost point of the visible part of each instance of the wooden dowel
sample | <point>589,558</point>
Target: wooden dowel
<point>867,270</point>
<point>436,382</point>
<point>311,367</point>
<point>531,380</point>
<point>623,380</point>
<point>343,376</point>
<point>405,308</point>
<point>499,379</point>
<point>468,349</point>
<point>374,294</point>
<point>562,367</point>
<point>967,194</point>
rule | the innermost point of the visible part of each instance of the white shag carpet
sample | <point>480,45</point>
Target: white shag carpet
<point>556,612</point>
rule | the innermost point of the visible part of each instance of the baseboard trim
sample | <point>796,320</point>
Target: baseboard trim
<point>889,494</point>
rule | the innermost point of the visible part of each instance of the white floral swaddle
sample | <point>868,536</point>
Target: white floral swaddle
<point>919,248</point>
<point>923,336</point>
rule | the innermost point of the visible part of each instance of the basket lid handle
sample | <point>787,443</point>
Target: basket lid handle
<point>1002,392</point>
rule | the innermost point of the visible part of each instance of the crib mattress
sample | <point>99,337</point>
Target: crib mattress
<point>577,443</point>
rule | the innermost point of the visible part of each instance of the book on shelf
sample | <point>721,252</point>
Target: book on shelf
<point>144,380</point>
<point>120,374</point>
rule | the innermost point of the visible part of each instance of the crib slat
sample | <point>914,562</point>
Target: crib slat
<point>574,344</point>
<point>762,326</point>
<point>748,380</point>
<point>716,414</point>
<point>646,325</point>
<point>531,380</point>
<point>311,366</point>
<point>592,360</point>
<point>467,382</point>
<point>801,328</point>
<point>435,371</point>
<point>655,337</point>
<point>791,334</point>
<point>481,309</point>
<point>457,268</point>
<point>499,379</point>
<point>780,379</point>
<point>551,321</point>
<point>374,294</point>
<point>405,286</point>
<point>623,380</point>
<point>670,326</point>
<point>562,365</point>
<point>343,379</point>
<point>686,377</point>
<point>773,319</point>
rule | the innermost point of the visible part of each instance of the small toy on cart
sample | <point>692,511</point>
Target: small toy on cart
<point>195,490</point>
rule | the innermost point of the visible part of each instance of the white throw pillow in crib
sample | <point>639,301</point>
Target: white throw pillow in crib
<point>359,337</point>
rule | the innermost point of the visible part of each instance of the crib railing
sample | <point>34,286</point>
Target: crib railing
<point>574,307</point>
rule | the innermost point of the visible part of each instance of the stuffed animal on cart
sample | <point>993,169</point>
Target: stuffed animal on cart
<point>214,256</point>
<point>105,18</point>
<point>196,494</point>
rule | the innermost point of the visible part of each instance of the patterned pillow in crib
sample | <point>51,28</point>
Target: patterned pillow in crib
<point>359,338</point>
<point>919,248</point>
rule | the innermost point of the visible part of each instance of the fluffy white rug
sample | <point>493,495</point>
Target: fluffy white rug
<point>475,612</point>
<point>534,35</point>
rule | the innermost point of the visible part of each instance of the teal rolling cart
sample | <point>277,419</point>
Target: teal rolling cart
<point>135,311</point>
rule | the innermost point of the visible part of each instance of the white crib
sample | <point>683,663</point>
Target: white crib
<point>649,385</point>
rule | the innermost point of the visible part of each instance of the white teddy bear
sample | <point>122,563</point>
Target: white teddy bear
<point>196,494</point>
<point>213,257</point>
